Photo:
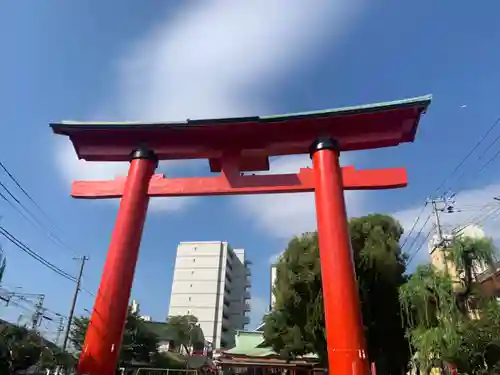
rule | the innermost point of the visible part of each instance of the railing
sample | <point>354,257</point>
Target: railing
<point>163,371</point>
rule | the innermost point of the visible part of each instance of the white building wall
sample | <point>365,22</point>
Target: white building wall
<point>204,286</point>
<point>240,291</point>
<point>274,273</point>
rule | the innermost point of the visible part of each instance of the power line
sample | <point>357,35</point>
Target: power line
<point>16,209</point>
<point>414,225</point>
<point>20,204</point>
<point>448,207</point>
<point>18,184</point>
<point>14,240</point>
<point>469,154</point>
<point>50,233</point>
<point>458,167</point>
<point>4,232</point>
<point>415,239</point>
<point>464,174</point>
<point>410,259</point>
<point>51,236</point>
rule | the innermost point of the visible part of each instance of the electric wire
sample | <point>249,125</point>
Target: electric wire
<point>414,225</point>
<point>17,209</point>
<point>49,232</point>
<point>464,174</point>
<point>469,154</point>
<point>415,253</point>
<point>457,168</point>
<point>416,237</point>
<point>51,236</point>
<point>25,248</point>
<point>14,240</point>
<point>18,184</point>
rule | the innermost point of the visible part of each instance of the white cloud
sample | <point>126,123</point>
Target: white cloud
<point>215,59</point>
<point>274,258</point>
<point>285,215</point>
<point>471,207</point>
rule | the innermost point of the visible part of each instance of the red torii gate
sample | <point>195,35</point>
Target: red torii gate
<point>233,146</point>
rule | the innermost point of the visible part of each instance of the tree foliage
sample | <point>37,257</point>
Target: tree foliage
<point>138,343</point>
<point>448,319</point>
<point>181,327</point>
<point>21,349</point>
<point>296,324</point>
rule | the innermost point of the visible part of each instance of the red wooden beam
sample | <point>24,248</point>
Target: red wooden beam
<point>159,186</point>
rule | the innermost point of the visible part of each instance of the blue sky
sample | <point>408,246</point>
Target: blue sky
<point>159,60</point>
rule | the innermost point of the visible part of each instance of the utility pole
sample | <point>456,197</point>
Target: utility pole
<point>435,212</point>
<point>37,315</point>
<point>60,328</point>
<point>73,303</point>
<point>446,204</point>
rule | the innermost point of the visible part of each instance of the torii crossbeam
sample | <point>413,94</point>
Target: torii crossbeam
<point>234,146</point>
<point>235,184</point>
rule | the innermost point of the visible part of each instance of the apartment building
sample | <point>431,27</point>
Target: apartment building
<point>212,281</point>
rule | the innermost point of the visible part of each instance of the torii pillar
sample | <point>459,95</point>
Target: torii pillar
<point>323,134</point>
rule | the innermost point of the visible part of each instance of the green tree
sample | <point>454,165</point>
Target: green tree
<point>21,349</point>
<point>138,343</point>
<point>78,330</point>
<point>181,328</point>
<point>296,324</point>
<point>438,311</point>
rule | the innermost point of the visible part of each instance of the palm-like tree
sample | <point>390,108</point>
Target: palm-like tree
<point>437,312</point>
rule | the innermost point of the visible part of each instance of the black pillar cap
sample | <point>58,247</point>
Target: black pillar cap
<point>143,152</point>
<point>326,143</point>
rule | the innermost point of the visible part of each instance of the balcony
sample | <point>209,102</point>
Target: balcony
<point>248,272</point>
<point>225,323</point>
<point>247,307</point>
<point>248,282</point>
<point>246,320</point>
<point>247,295</point>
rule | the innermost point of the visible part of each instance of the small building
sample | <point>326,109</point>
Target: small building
<point>251,355</point>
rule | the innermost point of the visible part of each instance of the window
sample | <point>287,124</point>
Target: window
<point>192,272</point>
<point>194,260</point>
<point>189,298</point>
<point>190,285</point>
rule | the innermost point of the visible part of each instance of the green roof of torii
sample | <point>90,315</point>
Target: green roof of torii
<point>341,111</point>
<point>359,127</point>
